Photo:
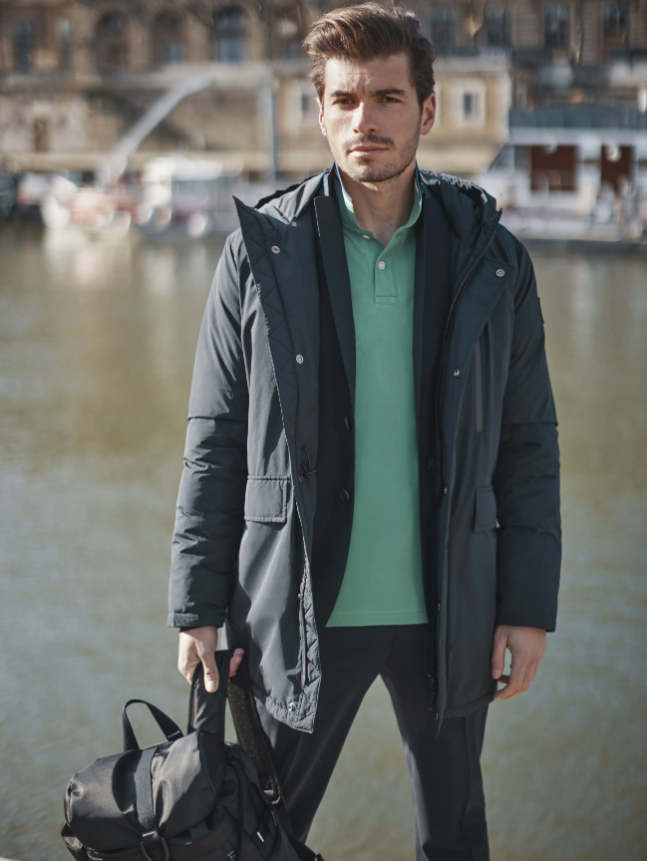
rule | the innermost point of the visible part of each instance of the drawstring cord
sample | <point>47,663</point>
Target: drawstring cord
<point>306,471</point>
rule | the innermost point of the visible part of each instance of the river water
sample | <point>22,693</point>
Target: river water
<point>96,350</point>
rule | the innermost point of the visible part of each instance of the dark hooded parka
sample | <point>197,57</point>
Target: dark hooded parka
<point>242,548</point>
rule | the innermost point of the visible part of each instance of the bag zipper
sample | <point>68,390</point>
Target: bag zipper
<point>478,385</point>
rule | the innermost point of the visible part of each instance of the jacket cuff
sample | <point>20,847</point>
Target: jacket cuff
<point>196,620</point>
<point>521,621</point>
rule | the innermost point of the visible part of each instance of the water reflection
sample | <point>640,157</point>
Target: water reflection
<point>96,351</point>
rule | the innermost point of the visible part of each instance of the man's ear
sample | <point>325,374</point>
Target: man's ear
<point>322,124</point>
<point>428,114</point>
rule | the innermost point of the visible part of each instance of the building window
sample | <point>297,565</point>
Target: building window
<point>615,19</point>
<point>112,42</point>
<point>23,46</point>
<point>553,168</point>
<point>303,106</point>
<point>616,166</point>
<point>41,135</point>
<point>443,26</point>
<point>232,35</point>
<point>309,113</point>
<point>497,28</point>
<point>556,27</point>
<point>471,104</point>
<point>286,39</point>
<point>168,39</point>
<point>615,28</point>
<point>65,45</point>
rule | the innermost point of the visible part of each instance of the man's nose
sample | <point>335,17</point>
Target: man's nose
<point>364,121</point>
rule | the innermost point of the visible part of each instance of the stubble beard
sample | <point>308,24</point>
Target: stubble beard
<point>372,173</point>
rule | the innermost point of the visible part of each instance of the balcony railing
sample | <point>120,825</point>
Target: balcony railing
<point>579,117</point>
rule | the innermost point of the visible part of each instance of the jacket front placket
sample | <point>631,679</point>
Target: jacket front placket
<point>483,281</point>
<point>281,256</point>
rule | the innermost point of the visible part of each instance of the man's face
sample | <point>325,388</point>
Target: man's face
<point>372,117</point>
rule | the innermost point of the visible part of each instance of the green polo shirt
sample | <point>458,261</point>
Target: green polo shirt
<point>382,582</point>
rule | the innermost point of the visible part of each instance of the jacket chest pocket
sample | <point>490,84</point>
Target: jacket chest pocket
<point>478,385</point>
<point>266,498</point>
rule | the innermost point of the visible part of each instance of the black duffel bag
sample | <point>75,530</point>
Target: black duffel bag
<point>193,797</point>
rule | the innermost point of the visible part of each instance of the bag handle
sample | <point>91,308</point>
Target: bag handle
<point>207,710</point>
<point>170,729</point>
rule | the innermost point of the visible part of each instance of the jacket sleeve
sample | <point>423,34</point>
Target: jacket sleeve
<point>526,479</point>
<point>210,507</point>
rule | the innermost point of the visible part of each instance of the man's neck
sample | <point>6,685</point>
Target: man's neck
<point>382,207</point>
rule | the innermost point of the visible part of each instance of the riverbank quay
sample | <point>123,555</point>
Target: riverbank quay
<point>616,248</point>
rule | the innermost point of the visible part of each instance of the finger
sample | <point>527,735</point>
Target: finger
<point>504,680</point>
<point>187,659</point>
<point>515,680</point>
<point>187,667</point>
<point>211,676</point>
<point>236,658</point>
<point>532,673</point>
<point>498,655</point>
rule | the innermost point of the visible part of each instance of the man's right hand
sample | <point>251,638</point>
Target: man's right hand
<point>198,645</point>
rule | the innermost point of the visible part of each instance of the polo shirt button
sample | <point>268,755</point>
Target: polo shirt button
<point>347,422</point>
<point>344,495</point>
<point>381,265</point>
<point>364,236</point>
<point>299,359</point>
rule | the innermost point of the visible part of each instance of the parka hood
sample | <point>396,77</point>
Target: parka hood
<point>471,211</point>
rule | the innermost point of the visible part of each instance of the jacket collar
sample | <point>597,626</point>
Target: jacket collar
<point>471,211</point>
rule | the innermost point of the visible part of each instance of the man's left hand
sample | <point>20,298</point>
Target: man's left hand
<point>527,646</point>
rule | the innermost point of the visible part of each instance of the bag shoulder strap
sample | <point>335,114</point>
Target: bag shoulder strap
<point>250,731</point>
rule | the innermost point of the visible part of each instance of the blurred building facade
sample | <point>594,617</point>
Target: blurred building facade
<point>75,75</point>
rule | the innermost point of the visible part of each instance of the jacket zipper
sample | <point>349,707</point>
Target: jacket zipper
<point>439,456</point>
<point>478,385</point>
<point>302,627</point>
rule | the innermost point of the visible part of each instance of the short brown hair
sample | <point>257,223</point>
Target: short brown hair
<point>368,31</point>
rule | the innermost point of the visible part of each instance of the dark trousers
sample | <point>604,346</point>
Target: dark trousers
<point>445,769</point>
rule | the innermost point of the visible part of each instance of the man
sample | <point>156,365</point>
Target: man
<point>371,482</point>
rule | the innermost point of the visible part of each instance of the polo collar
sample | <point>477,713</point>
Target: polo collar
<point>348,211</point>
